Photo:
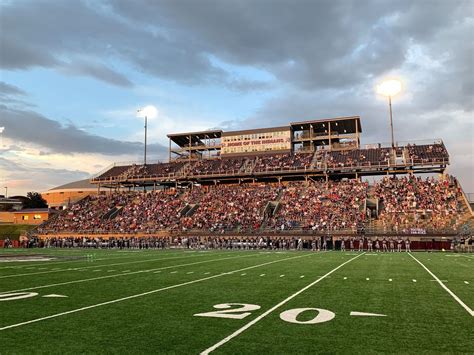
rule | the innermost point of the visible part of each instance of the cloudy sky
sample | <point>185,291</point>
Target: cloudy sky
<point>73,73</point>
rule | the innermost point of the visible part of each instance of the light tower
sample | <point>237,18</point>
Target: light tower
<point>148,111</point>
<point>390,88</point>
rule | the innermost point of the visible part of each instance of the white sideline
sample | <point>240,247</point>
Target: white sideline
<point>124,274</point>
<point>458,300</point>
<point>263,315</point>
<point>83,259</point>
<point>81,268</point>
<point>146,293</point>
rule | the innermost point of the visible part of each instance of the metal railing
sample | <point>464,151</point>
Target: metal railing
<point>325,166</point>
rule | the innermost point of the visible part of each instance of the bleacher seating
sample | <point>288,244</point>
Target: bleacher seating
<point>428,153</point>
<point>408,202</point>
<point>337,159</point>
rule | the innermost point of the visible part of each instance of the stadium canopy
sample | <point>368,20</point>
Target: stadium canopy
<point>344,125</point>
<point>194,138</point>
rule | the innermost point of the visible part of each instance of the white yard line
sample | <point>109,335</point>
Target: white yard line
<point>81,268</point>
<point>125,274</point>
<point>263,315</point>
<point>457,299</point>
<point>147,293</point>
<point>77,258</point>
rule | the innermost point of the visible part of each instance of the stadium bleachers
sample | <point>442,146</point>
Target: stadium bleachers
<point>410,154</point>
<point>405,203</point>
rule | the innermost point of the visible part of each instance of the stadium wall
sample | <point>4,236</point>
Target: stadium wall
<point>62,198</point>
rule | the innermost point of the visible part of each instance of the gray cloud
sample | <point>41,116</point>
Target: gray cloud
<point>8,89</point>
<point>324,55</point>
<point>31,127</point>
<point>12,95</point>
<point>98,71</point>
<point>311,44</point>
<point>75,28</point>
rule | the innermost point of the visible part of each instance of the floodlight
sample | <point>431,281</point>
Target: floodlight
<point>389,87</point>
<point>149,111</point>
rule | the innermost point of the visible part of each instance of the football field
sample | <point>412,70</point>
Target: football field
<point>227,301</point>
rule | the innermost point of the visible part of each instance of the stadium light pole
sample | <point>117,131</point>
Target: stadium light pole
<point>390,88</point>
<point>6,191</point>
<point>147,112</point>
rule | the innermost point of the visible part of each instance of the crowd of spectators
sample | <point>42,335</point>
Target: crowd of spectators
<point>135,171</point>
<point>282,162</point>
<point>414,202</point>
<point>421,154</point>
<point>216,166</point>
<point>321,207</point>
<point>228,207</point>
<point>120,212</point>
<point>335,159</point>
<point>358,157</point>
<point>407,203</point>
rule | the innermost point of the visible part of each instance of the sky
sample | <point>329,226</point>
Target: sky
<point>74,73</point>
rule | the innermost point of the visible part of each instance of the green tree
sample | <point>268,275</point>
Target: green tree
<point>34,200</point>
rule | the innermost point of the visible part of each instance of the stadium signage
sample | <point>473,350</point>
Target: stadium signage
<point>256,142</point>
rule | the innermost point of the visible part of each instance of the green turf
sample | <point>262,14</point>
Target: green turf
<point>13,231</point>
<point>421,317</point>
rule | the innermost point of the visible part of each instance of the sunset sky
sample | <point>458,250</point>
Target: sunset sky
<point>73,74</point>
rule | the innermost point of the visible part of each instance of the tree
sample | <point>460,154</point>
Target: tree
<point>34,200</point>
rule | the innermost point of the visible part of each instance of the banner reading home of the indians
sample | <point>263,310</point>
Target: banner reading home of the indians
<point>255,141</point>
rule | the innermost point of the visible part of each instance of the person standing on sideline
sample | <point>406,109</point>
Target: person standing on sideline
<point>369,245</point>
<point>392,245</point>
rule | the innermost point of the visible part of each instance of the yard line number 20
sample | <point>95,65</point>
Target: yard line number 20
<point>242,310</point>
